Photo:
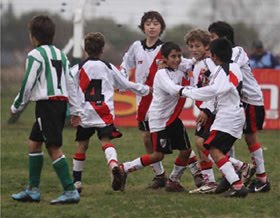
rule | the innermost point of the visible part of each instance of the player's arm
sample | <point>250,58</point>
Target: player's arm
<point>218,85</point>
<point>73,87</point>
<point>122,83</point>
<point>166,84</point>
<point>32,71</point>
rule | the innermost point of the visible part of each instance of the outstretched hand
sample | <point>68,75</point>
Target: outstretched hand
<point>201,119</point>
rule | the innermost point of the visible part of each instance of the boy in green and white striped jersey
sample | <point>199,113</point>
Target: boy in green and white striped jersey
<point>47,81</point>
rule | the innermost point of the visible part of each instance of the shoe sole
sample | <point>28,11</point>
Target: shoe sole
<point>117,179</point>
<point>65,202</point>
<point>26,200</point>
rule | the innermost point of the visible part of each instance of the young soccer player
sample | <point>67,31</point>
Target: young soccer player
<point>47,81</point>
<point>144,56</point>
<point>198,42</point>
<point>97,81</point>
<point>253,103</point>
<point>167,130</point>
<point>224,91</point>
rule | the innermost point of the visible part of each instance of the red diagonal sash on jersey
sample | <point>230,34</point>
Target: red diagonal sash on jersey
<point>233,79</point>
<point>146,100</point>
<point>180,104</point>
<point>102,110</point>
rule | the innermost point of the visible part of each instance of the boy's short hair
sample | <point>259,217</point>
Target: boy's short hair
<point>222,48</point>
<point>197,35</point>
<point>43,29</point>
<point>222,29</point>
<point>152,15</point>
<point>167,47</point>
<point>94,43</point>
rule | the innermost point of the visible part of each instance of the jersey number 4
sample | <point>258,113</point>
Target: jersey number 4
<point>93,92</point>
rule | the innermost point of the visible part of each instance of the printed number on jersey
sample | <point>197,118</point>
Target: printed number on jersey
<point>93,92</point>
<point>57,64</point>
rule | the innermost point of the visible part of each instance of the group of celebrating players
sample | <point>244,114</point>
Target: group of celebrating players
<point>217,76</point>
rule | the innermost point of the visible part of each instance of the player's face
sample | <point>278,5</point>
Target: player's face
<point>152,28</point>
<point>174,59</point>
<point>213,36</point>
<point>198,50</point>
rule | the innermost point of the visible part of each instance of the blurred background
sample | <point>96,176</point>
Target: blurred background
<point>118,20</point>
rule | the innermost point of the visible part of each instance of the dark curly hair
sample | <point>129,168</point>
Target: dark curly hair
<point>152,15</point>
<point>94,43</point>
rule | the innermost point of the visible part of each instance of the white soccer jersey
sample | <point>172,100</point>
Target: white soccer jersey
<point>207,64</point>
<point>97,81</point>
<point>252,93</point>
<point>144,59</point>
<point>224,92</point>
<point>47,77</point>
<point>166,105</point>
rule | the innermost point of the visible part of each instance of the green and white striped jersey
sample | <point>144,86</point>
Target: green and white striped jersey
<point>47,77</point>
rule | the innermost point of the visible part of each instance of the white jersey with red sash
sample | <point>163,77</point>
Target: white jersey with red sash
<point>252,93</point>
<point>144,59</point>
<point>97,81</point>
<point>222,97</point>
<point>166,105</point>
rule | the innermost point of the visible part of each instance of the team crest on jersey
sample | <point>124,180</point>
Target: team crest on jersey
<point>140,62</point>
<point>163,142</point>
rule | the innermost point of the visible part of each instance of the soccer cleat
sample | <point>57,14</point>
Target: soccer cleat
<point>124,176</point>
<point>246,172</point>
<point>222,186</point>
<point>28,195</point>
<point>117,178</point>
<point>78,186</point>
<point>68,197</point>
<point>172,186</point>
<point>198,179</point>
<point>208,188</point>
<point>241,193</point>
<point>158,182</point>
<point>258,186</point>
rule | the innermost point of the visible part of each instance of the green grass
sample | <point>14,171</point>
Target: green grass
<point>97,198</point>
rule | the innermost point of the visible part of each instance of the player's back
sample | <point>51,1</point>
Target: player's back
<point>96,91</point>
<point>252,93</point>
<point>228,107</point>
<point>47,66</point>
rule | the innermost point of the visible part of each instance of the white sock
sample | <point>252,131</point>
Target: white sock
<point>78,165</point>
<point>208,175</point>
<point>229,172</point>
<point>131,166</point>
<point>257,157</point>
<point>236,163</point>
<point>177,173</point>
<point>158,168</point>
<point>111,156</point>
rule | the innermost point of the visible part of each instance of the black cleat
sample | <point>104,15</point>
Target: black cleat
<point>241,193</point>
<point>172,186</point>
<point>223,186</point>
<point>117,178</point>
<point>158,182</point>
<point>258,186</point>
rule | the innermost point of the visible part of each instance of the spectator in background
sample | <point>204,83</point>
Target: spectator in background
<point>260,58</point>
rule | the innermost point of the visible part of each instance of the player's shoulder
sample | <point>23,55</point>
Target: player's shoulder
<point>238,50</point>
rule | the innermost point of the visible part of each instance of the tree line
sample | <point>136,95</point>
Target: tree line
<point>118,37</point>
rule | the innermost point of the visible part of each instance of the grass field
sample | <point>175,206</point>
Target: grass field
<point>97,198</point>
